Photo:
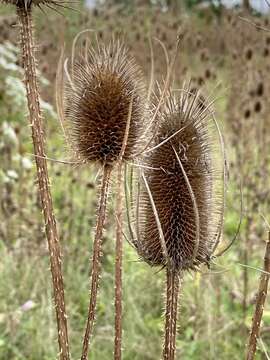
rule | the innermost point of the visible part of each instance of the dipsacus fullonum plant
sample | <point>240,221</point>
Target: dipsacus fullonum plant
<point>179,204</point>
<point>105,108</point>
<point>27,44</point>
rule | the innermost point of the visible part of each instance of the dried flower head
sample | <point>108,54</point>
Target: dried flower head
<point>180,195</point>
<point>247,114</point>
<point>260,89</point>
<point>257,106</point>
<point>248,54</point>
<point>106,86</point>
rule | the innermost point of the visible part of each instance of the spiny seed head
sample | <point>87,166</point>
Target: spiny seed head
<point>98,104</point>
<point>181,176</point>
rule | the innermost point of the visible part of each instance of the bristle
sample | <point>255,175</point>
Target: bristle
<point>98,102</point>
<point>181,178</point>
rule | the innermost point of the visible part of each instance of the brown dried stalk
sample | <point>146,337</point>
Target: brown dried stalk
<point>28,59</point>
<point>119,243</point>
<point>172,293</point>
<point>118,266</point>
<point>261,297</point>
<point>97,249</point>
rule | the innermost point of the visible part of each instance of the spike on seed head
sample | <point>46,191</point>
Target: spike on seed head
<point>181,177</point>
<point>98,103</point>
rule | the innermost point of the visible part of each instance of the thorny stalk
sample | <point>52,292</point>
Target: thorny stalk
<point>118,266</point>
<point>261,297</point>
<point>32,91</point>
<point>172,293</point>
<point>245,270</point>
<point>96,266</point>
<point>119,243</point>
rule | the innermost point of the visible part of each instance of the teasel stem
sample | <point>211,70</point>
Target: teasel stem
<point>118,266</point>
<point>119,243</point>
<point>172,293</point>
<point>96,266</point>
<point>261,297</point>
<point>32,92</point>
<point>245,270</point>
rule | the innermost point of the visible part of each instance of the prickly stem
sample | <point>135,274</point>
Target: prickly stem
<point>171,311</point>
<point>32,91</point>
<point>118,267</point>
<point>260,302</point>
<point>96,266</point>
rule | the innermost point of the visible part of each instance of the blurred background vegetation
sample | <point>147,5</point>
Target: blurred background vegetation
<point>229,59</point>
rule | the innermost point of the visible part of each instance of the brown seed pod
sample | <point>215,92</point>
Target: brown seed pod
<point>247,114</point>
<point>98,99</point>
<point>257,107</point>
<point>260,89</point>
<point>179,194</point>
<point>248,54</point>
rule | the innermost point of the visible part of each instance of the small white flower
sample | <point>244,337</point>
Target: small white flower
<point>26,163</point>
<point>28,305</point>
<point>9,134</point>
<point>12,174</point>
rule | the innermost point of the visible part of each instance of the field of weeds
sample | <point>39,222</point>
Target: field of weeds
<point>196,207</point>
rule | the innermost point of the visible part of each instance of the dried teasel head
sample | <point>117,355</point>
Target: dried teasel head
<point>104,100</point>
<point>179,208</point>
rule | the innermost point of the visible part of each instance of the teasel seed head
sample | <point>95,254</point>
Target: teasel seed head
<point>180,184</point>
<point>105,96</point>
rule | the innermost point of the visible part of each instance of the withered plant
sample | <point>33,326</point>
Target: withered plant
<point>260,303</point>
<point>105,106</point>
<point>27,44</point>
<point>179,203</point>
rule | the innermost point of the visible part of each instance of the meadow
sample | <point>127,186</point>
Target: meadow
<point>226,57</point>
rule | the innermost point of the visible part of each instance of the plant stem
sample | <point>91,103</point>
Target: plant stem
<point>118,266</point>
<point>172,292</point>
<point>245,270</point>
<point>32,91</point>
<point>261,297</point>
<point>96,267</point>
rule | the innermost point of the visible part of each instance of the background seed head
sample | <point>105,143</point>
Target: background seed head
<point>170,190</point>
<point>98,104</point>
